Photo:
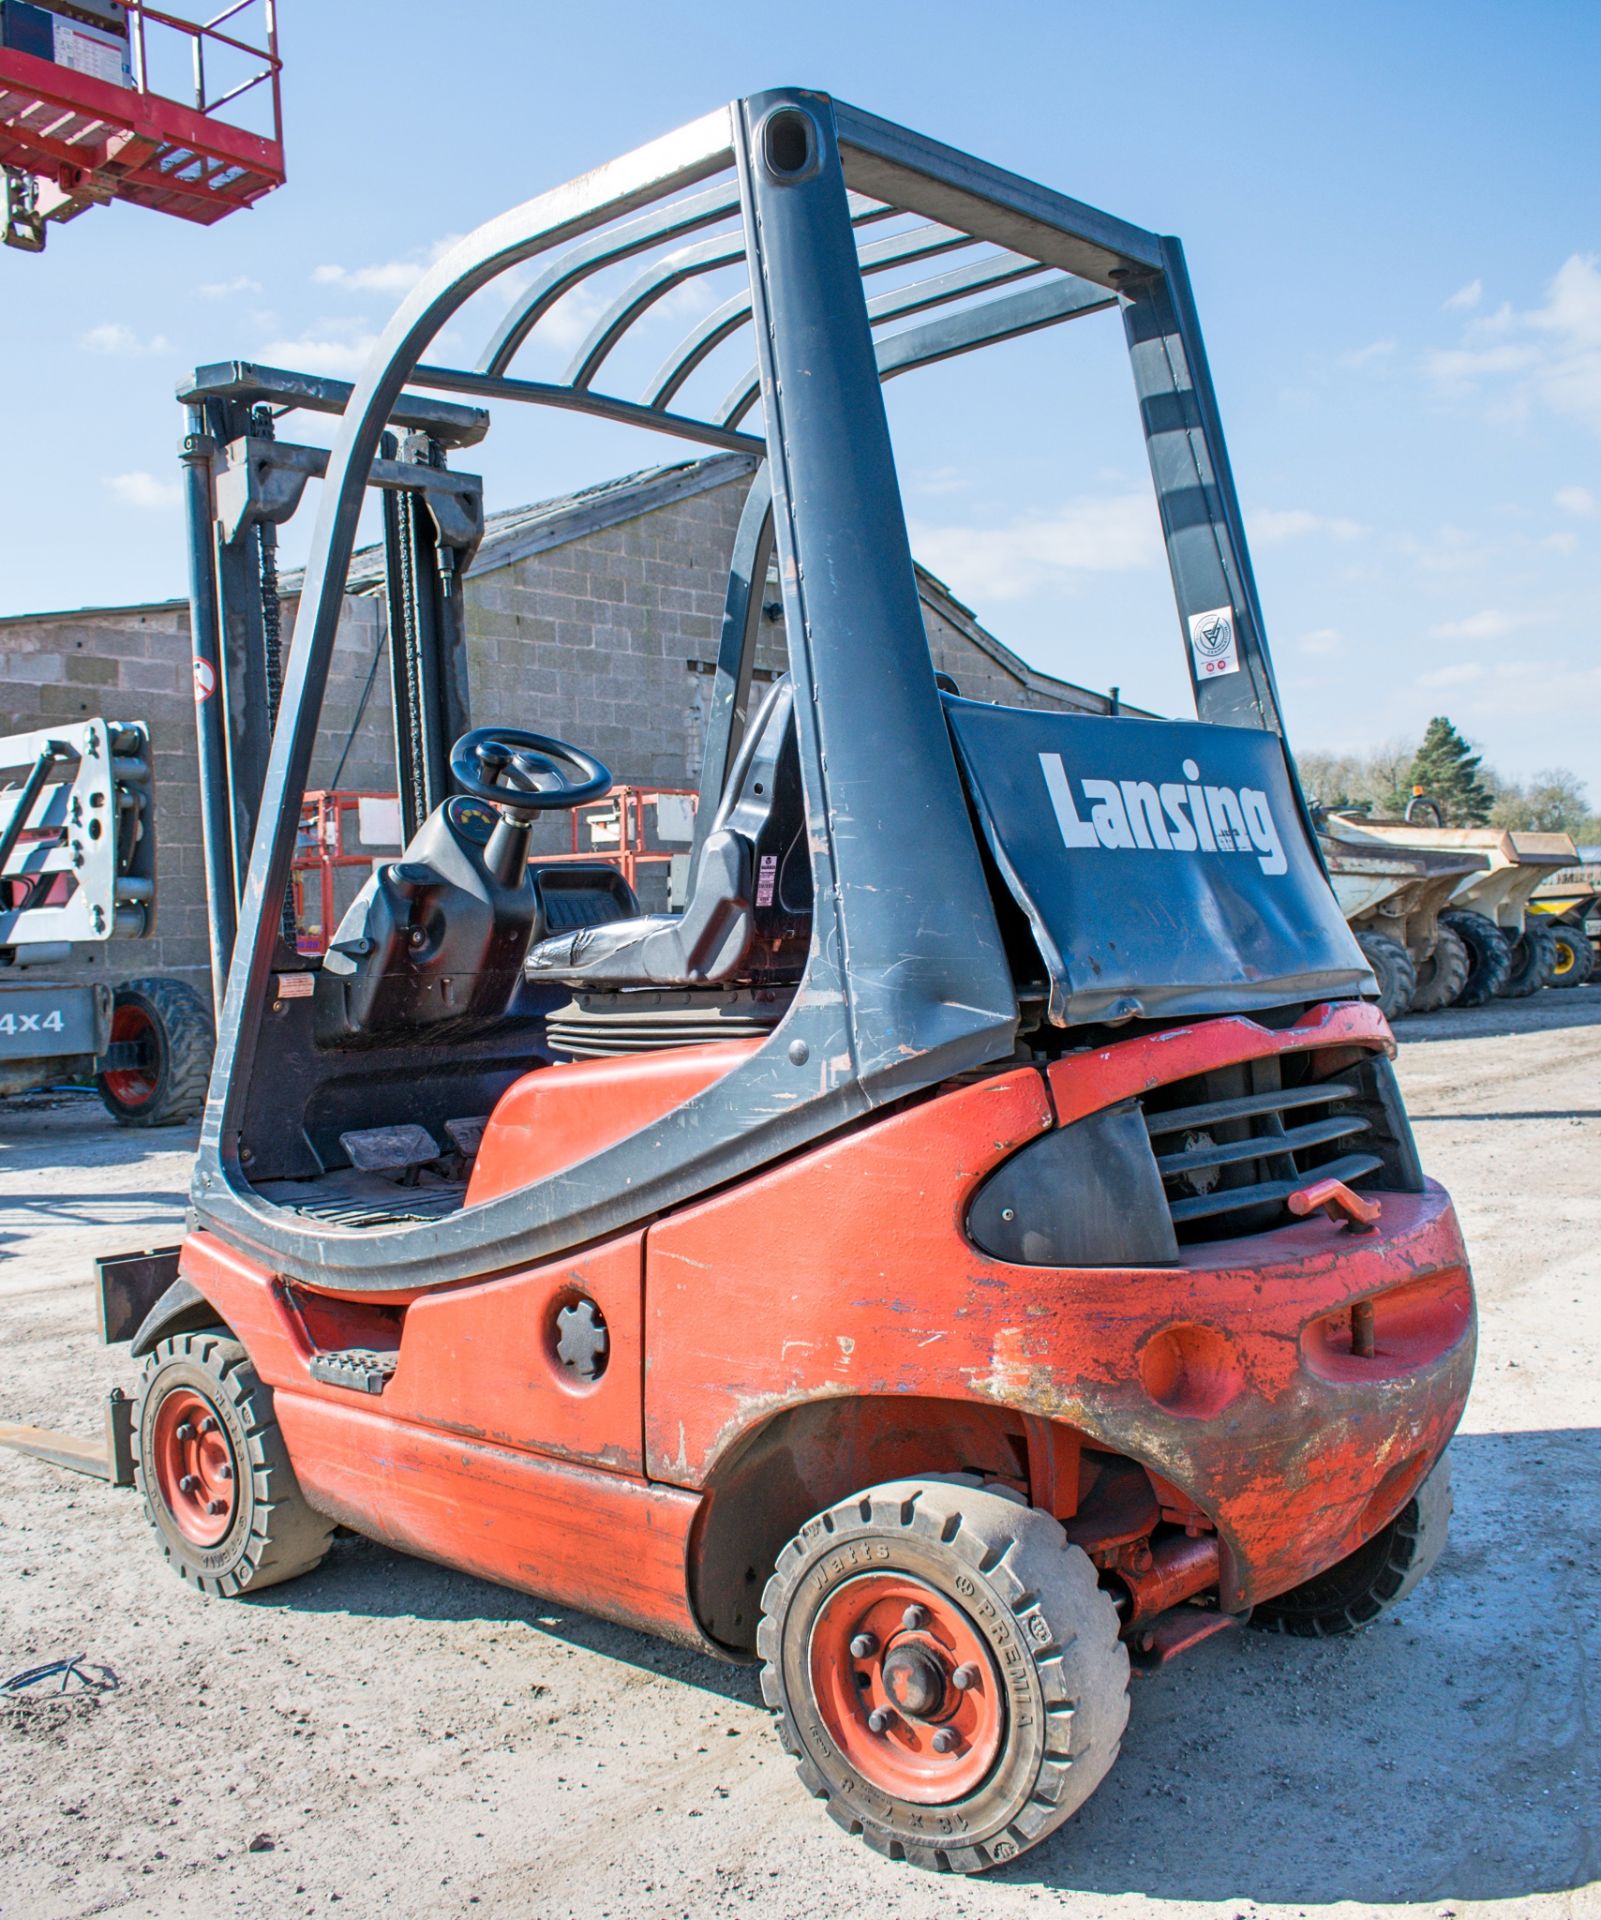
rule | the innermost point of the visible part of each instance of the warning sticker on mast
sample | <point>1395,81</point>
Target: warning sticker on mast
<point>1212,641</point>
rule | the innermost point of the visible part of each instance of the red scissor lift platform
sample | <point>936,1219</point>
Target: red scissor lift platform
<point>82,122</point>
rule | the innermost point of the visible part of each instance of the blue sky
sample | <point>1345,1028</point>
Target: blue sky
<point>1392,220</point>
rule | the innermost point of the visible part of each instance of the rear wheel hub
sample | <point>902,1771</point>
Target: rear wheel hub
<point>889,1694</point>
<point>195,1466</point>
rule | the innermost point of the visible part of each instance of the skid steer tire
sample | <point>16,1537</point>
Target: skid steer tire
<point>1443,975</point>
<point>1531,960</point>
<point>945,1670</point>
<point>1381,1573</point>
<point>1488,960</point>
<point>1575,962</point>
<point>170,1022</point>
<point>1393,969</point>
<point>214,1472</point>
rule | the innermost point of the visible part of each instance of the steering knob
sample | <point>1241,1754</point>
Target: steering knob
<point>524,773</point>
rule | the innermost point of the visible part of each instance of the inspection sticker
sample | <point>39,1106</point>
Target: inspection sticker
<point>766,879</point>
<point>1212,641</point>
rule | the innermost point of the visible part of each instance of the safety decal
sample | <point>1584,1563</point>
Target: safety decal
<point>205,680</point>
<point>1212,641</point>
<point>766,879</point>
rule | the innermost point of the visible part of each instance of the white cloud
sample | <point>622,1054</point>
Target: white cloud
<point>112,336</point>
<point>1561,542</point>
<point>939,480</point>
<point>1490,624</point>
<point>1579,501</point>
<point>223,289</point>
<point>385,276</point>
<point>1457,676</point>
<point>1465,297</point>
<point>1375,350</point>
<point>1267,526</point>
<point>1548,357</point>
<point>1447,550</point>
<point>1321,640</point>
<point>146,491</point>
<point>329,354</point>
<point>1118,533</point>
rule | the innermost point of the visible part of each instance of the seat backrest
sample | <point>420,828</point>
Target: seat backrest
<point>765,804</point>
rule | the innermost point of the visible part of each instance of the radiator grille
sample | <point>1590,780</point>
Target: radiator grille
<point>1233,1145</point>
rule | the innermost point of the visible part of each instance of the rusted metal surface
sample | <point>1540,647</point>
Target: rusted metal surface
<point>1231,1375</point>
<point>830,1318</point>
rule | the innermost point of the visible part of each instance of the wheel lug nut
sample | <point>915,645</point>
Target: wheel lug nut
<point>964,1677</point>
<point>185,1431</point>
<point>947,1740</point>
<point>216,1506</point>
<point>864,1646</point>
<point>225,1472</point>
<point>208,1425</point>
<point>913,1618</point>
<point>188,1483</point>
<point>878,1720</point>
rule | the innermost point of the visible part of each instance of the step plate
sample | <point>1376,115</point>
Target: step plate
<point>357,1369</point>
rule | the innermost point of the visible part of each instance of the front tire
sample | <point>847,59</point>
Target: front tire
<point>1393,969</point>
<point>1444,974</point>
<point>1575,961</point>
<point>1376,1578</point>
<point>945,1669</point>
<point>169,1028</point>
<point>1531,960</point>
<point>214,1471</point>
<point>1488,961</point>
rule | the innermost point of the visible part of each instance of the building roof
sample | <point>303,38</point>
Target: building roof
<point>517,533</point>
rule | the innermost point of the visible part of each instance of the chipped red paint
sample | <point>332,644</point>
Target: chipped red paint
<point>844,1276</point>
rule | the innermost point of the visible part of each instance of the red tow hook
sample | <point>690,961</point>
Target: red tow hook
<point>1356,1215</point>
<point>1335,1198</point>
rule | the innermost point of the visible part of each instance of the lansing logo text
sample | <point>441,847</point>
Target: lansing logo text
<point>1175,817</point>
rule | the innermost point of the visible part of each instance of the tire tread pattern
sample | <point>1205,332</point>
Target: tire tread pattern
<point>188,1040</point>
<point>1067,1621</point>
<point>286,1537</point>
<point>1373,1580</point>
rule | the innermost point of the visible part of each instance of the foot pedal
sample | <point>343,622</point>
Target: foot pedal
<point>390,1149</point>
<point>357,1369</point>
<point>466,1136</point>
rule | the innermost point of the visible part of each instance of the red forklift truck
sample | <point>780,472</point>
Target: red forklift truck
<point>976,1245</point>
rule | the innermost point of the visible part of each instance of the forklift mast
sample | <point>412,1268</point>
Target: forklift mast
<point>243,483</point>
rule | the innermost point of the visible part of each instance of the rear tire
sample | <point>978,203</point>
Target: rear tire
<point>958,1775</point>
<point>1393,969</point>
<point>1488,961</point>
<point>1381,1573</point>
<point>170,1022</point>
<point>1443,975</point>
<point>1575,961</point>
<point>1531,958</point>
<point>223,1499</point>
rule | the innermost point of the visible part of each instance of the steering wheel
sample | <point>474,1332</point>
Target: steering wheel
<point>524,773</point>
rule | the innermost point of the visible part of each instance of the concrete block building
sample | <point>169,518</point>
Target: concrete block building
<point>594,617</point>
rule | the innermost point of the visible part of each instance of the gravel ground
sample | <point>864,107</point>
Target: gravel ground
<point>389,1737</point>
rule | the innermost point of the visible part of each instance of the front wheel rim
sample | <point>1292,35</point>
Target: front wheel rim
<point>133,1086</point>
<point>195,1467</point>
<point>907,1688</point>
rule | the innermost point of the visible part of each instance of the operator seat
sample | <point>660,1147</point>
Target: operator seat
<point>749,911</point>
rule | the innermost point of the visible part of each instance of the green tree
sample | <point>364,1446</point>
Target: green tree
<point>1447,770</point>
